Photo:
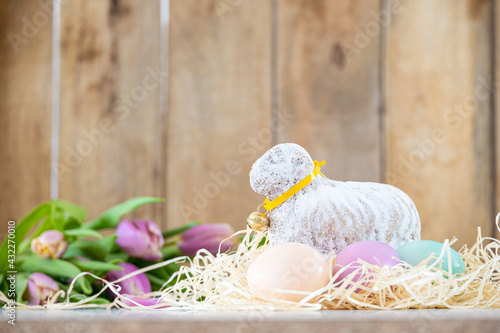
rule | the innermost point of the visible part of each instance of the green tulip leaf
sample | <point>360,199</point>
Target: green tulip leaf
<point>83,284</point>
<point>96,250</point>
<point>55,214</point>
<point>26,224</point>
<point>52,267</point>
<point>56,268</point>
<point>22,229</point>
<point>63,215</point>
<point>25,245</point>
<point>111,217</point>
<point>160,272</point>
<point>79,213</point>
<point>179,230</point>
<point>82,232</point>
<point>46,224</point>
<point>21,285</point>
<point>172,268</point>
<point>170,252</point>
<point>71,223</point>
<point>99,300</point>
<point>92,265</point>
<point>116,258</point>
<point>155,281</point>
<point>55,220</point>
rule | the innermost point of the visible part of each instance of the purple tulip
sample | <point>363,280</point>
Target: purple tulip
<point>40,288</point>
<point>136,285</point>
<point>133,287</point>
<point>206,236</point>
<point>145,301</point>
<point>140,239</point>
<point>50,244</point>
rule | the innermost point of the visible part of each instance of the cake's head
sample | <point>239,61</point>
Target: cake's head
<point>280,168</point>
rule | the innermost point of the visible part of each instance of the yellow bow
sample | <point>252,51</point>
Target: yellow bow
<point>270,205</point>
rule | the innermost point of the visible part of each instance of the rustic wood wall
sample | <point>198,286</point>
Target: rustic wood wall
<point>219,104</point>
<point>495,124</point>
<point>438,113</point>
<point>112,125</point>
<point>25,108</point>
<point>391,91</point>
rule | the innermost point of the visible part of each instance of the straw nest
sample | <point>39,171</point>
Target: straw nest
<point>219,282</point>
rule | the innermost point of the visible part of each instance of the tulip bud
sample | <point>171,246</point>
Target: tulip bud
<point>206,236</point>
<point>140,239</point>
<point>40,288</point>
<point>50,244</point>
<point>136,285</point>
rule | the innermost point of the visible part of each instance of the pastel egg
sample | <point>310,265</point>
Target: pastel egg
<point>417,251</point>
<point>289,266</point>
<point>373,252</point>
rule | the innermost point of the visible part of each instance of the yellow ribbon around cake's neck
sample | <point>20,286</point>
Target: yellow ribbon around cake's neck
<point>270,205</point>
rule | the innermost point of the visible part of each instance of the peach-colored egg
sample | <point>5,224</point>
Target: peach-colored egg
<point>290,266</point>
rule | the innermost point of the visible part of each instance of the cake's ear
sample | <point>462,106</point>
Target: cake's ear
<point>280,168</point>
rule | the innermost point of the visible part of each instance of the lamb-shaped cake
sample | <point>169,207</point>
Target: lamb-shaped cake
<point>326,214</point>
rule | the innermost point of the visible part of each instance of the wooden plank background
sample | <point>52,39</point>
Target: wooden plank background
<point>437,117</point>
<point>496,107</point>
<point>25,107</point>
<point>389,91</point>
<point>219,108</point>
<point>111,123</point>
<point>317,66</point>
<point>432,320</point>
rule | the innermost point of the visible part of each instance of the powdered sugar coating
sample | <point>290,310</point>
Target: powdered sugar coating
<point>326,214</point>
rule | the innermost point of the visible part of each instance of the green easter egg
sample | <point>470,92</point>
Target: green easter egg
<point>417,251</point>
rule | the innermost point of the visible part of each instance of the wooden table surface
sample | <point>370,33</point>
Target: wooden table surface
<point>124,321</point>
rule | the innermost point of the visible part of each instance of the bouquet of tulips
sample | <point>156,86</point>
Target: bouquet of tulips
<point>53,244</point>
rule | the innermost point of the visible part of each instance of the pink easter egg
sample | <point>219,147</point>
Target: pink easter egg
<point>287,267</point>
<point>373,252</point>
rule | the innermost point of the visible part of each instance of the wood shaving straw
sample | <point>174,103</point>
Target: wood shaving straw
<point>219,283</point>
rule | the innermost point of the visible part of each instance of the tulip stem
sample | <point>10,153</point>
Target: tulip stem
<point>172,241</point>
<point>171,252</point>
<point>178,230</point>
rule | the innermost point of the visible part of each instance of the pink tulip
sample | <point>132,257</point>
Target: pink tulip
<point>50,244</point>
<point>145,301</point>
<point>140,239</point>
<point>136,285</point>
<point>133,287</point>
<point>40,288</point>
<point>206,236</point>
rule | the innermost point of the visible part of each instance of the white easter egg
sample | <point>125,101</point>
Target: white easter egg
<point>288,266</point>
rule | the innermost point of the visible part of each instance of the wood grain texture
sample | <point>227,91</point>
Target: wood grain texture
<point>328,77</point>
<point>25,107</point>
<point>111,126</point>
<point>219,108</point>
<point>496,111</point>
<point>366,321</point>
<point>438,114</point>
